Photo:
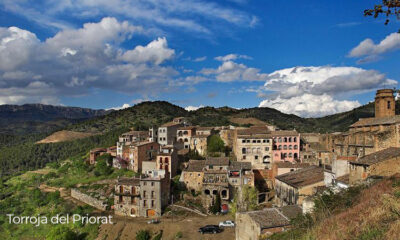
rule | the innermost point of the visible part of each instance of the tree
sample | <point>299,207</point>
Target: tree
<point>102,168</point>
<point>216,206</point>
<point>143,235</point>
<point>215,144</point>
<point>388,8</point>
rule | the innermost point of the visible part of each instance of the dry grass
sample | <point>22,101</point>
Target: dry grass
<point>375,216</point>
<point>242,121</point>
<point>62,136</point>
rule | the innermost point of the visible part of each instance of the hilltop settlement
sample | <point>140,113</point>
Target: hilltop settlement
<point>265,176</point>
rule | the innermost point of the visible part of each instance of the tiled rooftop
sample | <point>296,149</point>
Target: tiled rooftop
<point>195,166</point>
<point>217,161</point>
<point>379,156</point>
<point>376,121</point>
<point>303,177</point>
<point>275,217</point>
<point>285,133</point>
<point>285,164</point>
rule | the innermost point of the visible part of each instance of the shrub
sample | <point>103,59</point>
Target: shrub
<point>143,235</point>
<point>215,144</point>
<point>178,235</point>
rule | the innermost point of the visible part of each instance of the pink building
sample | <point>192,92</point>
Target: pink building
<point>286,146</point>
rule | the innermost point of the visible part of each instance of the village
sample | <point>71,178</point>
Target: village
<point>259,175</point>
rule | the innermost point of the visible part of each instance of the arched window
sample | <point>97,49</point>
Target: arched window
<point>284,147</point>
<point>133,211</point>
<point>295,147</point>
<point>285,139</point>
<point>295,156</point>
<point>290,147</point>
<point>290,139</point>
<point>207,192</point>
<point>294,139</point>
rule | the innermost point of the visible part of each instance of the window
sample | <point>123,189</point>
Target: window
<point>285,147</point>
<point>264,141</point>
<point>290,155</point>
<point>244,157</point>
<point>152,184</point>
<point>266,148</point>
<point>144,203</point>
<point>388,104</point>
<point>295,147</point>
<point>248,140</point>
<point>255,157</point>
<point>279,139</point>
<point>290,147</point>
<point>254,141</point>
<point>120,200</point>
<point>152,194</point>
<point>285,139</point>
<point>144,194</point>
<point>152,203</point>
<point>258,141</point>
<point>294,139</point>
<point>243,150</point>
<point>243,141</point>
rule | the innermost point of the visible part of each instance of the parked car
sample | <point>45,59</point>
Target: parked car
<point>227,223</point>
<point>210,229</point>
<point>153,221</point>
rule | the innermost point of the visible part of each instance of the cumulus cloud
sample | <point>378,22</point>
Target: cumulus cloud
<point>309,105</point>
<point>193,108</point>
<point>370,51</point>
<point>230,71</point>
<point>231,57</point>
<point>299,90</point>
<point>76,60</point>
<point>200,59</point>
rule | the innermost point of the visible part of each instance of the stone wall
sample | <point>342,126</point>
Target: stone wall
<point>75,193</point>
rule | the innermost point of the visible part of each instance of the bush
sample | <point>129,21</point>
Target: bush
<point>61,232</point>
<point>102,169</point>
<point>216,206</point>
<point>143,235</point>
<point>215,144</point>
<point>178,235</point>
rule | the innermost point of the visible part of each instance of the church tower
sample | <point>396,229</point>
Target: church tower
<point>384,103</point>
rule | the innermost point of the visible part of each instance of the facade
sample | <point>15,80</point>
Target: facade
<point>198,143</point>
<point>154,193</point>
<point>193,175</point>
<point>286,146</point>
<point>383,163</point>
<point>127,197</point>
<point>94,153</point>
<point>293,187</point>
<point>261,224</point>
<point>184,135</point>
<point>128,138</point>
<point>146,196</point>
<point>168,160</point>
<point>204,130</point>
<point>139,152</point>
<point>215,180</point>
<point>254,145</point>
<point>153,134</point>
<point>167,133</point>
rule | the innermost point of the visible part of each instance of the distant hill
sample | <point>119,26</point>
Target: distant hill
<point>38,118</point>
<point>63,136</point>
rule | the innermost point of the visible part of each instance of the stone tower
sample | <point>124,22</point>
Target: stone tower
<point>384,103</point>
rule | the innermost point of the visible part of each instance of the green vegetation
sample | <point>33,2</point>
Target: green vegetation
<point>178,235</point>
<point>143,235</point>
<point>30,156</point>
<point>216,205</point>
<point>215,144</point>
<point>103,165</point>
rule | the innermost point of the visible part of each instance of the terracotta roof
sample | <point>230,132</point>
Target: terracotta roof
<point>303,177</point>
<point>285,164</point>
<point>291,211</point>
<point>269,218</point>
<point>195,166</point>
<point>170,124</point>
<point>285,133</point>
<point>236,166</point>
<point>254,130</point>
<point>379,156</point>
<point>187,128</point>
<point>217,161</point>
<point>128,181</point>
<point>376,121</point>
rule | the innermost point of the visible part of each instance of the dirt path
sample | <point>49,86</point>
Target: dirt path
<point>125,229</point>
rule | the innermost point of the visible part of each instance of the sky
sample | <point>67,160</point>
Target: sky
<point>309,58</point>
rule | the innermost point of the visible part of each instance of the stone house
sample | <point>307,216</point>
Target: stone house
<point>383,163</point>
<point>146,196</point>
<point>127,197</point>
<point>286,167</point>
<point>286,146</point>
<point>198,143</point>
<point>204,130</point>
<point>154,193</point>
<point>167,133</point>
<point>291,188</point>
<point>192,176</point>
<point>94,153</point>
<point>240,173</point>
<point>128,138</point>
<point>255,225</point>
<point>139,152</point>
<point>184,135</point>
<point>254,145</point>
<point>215,180</point>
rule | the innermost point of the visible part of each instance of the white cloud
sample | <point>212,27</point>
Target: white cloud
<point>200,59</point>
<point>74,61</point>
<point>231,57</point>
<point>309,105</point>
<point>156,51</point>
<point>300,90</point>
<point>125,105</point>
<point>193,108</point>
<point>230,71</point>
<point>369,50</point>
<point>189,15</point>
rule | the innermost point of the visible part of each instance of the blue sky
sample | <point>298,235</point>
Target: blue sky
<point>310,58</point>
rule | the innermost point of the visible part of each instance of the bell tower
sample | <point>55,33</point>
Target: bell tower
<point>384,103</point>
